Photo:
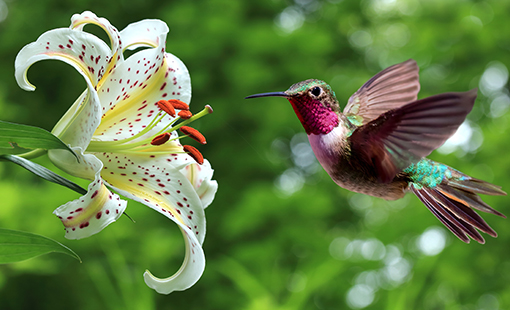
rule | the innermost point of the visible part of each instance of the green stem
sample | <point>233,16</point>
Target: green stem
<point>33,154</point>
<point>204,112</point>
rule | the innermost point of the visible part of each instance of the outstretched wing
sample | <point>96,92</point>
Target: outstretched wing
<point>402,136</point>
<point>389,89</point>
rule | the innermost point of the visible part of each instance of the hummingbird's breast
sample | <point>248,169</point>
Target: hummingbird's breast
<point>333,152</point>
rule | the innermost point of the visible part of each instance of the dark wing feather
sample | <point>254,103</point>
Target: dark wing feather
<point>401,137</point>
<point>387,90</point>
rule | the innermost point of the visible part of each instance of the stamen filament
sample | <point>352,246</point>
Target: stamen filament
<point>111,144</point>
<point>124,145</point>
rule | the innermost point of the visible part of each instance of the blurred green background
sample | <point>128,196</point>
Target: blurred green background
<point>281,234</point>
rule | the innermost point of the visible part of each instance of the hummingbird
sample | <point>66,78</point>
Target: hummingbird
<point>378,144</point>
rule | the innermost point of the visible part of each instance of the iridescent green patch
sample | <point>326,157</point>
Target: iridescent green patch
<point>427,172</point>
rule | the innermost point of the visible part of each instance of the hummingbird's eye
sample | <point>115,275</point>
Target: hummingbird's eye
<point>316,91</point>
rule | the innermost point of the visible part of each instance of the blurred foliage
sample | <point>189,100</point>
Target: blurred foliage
<point>281,234</point>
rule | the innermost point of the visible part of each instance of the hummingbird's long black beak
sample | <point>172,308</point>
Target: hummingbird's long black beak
<point>273,94</point>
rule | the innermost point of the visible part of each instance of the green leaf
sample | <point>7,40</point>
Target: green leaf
<point>44,172</point>
<point>16,246</point>
<point>18,138</point>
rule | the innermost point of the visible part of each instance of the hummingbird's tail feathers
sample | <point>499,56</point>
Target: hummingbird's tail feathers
<point>477,186</point>
<point>454,211</point>
<point>462,187</point>
<point>469,198</point>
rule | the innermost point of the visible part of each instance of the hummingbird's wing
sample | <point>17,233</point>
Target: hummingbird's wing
<point>401,137</point>
<point>389,89</point>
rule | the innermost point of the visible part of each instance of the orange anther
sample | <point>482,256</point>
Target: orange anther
<point>184,114</point>
<point>162,138</point>
<point>167,107</point>
<point>194,134</point>
<point>179,105</point>
<point>194,153</point>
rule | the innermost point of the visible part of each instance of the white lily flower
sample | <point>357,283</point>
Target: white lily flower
<point>111,127</point>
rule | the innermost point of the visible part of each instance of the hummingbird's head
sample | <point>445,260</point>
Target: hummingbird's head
<point>313,91</point>
<point>315,105</point>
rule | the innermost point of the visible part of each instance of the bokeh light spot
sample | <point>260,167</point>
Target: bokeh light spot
<point>432,241</point>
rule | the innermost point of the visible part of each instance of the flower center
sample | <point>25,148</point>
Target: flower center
<point>152,145</point>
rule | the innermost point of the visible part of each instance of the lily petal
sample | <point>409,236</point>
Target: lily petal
<point>144,33</point>
<point>78,125</point>
<point>85,52</point>
<point>200,177</point>
<point>92,212</point>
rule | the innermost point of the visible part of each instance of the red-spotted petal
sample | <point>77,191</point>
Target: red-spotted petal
<point>85,52</point>
<point>130,93</point>
<point>92,212</point>
<point>156,184</point>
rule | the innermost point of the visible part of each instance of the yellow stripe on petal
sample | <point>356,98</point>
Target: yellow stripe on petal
<point>145,89</point>
<point>141,42</point>
<point>83,214</point>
